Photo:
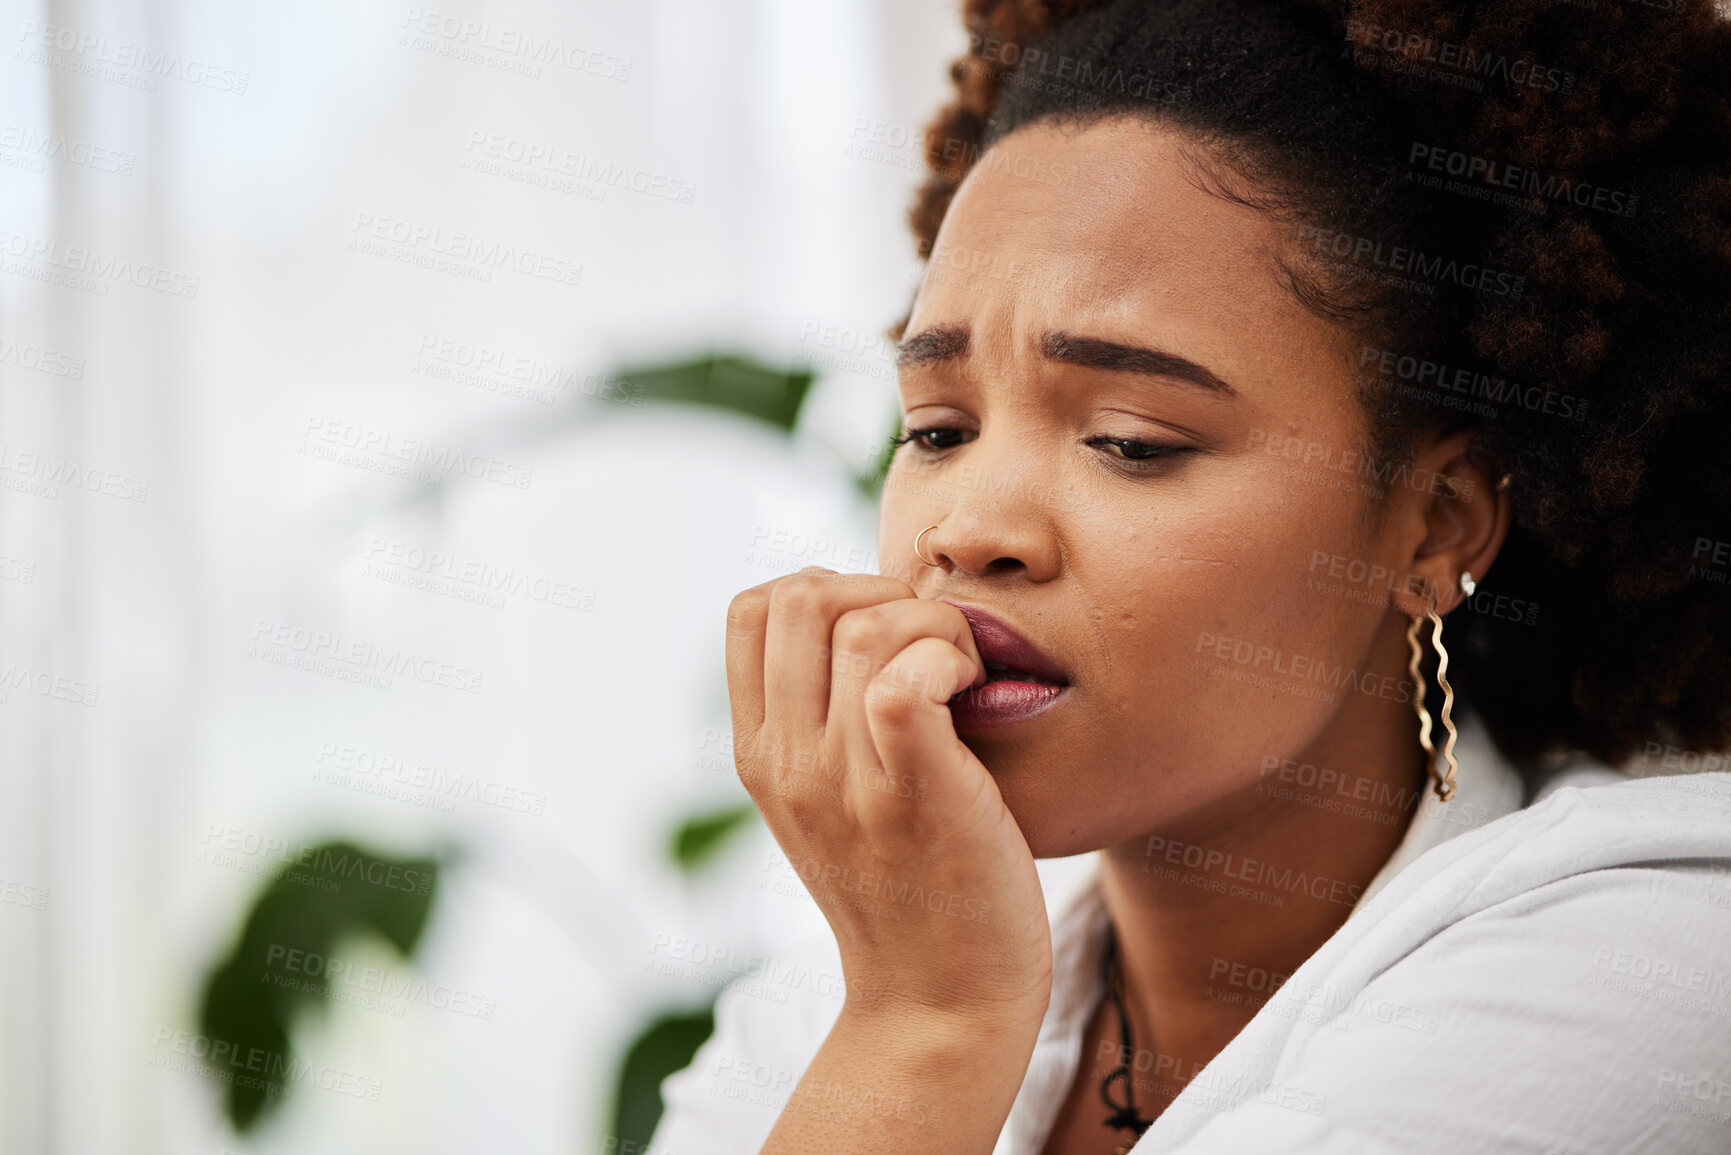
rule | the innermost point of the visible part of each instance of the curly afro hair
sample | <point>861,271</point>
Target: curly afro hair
<point>1552,180</point>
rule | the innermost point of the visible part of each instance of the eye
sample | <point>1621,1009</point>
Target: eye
<point>1131,450</point>
<point>935,438</point>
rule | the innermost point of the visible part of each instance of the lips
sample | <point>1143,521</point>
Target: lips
<point>1021,681</point>
<point>1008,655</point>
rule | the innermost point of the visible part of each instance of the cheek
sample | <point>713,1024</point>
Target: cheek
<point>1216,644</point>
<point>899,520</point>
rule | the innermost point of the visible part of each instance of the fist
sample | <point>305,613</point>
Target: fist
<point>840,687</point>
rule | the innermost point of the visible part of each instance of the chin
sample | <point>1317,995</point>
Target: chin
<point>1052,814</point>
<point>1053,833</point>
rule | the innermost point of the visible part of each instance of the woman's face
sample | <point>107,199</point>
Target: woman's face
<point>1084,301</point>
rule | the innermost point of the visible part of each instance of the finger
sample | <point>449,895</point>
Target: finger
<point>803,608</point>
<point>747,616</point>
<point>865,641</point>
<point>907,712</point>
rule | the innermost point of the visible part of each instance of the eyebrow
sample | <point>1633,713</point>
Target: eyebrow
<point>950,342</point>
<point>1092,353</point>
<point>944,343</point>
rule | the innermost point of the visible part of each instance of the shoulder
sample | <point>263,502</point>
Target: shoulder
<point>1558,980</point>
<point>1587,821</point>
<point>1590,823</point>
<point>1602,910</point>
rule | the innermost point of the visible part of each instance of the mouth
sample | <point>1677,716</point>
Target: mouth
<point>1021,680</point>
<point>998,672</point>
<point>1008,654</point>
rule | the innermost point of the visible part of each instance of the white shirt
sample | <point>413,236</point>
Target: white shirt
<point>1552,980</point>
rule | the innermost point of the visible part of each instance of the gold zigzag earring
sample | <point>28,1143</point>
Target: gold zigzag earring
<point>1443,780</point>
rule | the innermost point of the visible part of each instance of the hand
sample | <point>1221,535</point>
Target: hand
<point>842,735</point>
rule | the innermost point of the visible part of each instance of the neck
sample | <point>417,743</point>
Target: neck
<point>1214,911</point>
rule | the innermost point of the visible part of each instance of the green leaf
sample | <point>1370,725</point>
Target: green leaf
<point>871,482</point>
<point>699,837</point>
<point>722,381</point>
<point>252,997</point>
<point>665,1046</point>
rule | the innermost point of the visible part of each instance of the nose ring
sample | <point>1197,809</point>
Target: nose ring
<point>917,538</point>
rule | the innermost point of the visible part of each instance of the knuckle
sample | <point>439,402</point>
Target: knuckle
<point>889,700</point>
<point>746,759</point>
<point>888,590</point>
<point>875,813</point>
<point>756,766</point>
<point>746,611</point>
<point>956,616</point>
<point>797,595</point>
<point>861,631</point>
<point>752,777</point>
<point>902,589</point>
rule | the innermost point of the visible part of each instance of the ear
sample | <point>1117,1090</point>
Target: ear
<point>1460,522</point>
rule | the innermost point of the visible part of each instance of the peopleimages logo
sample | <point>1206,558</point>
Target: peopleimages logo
<point>384,770</point>
<point>323,437</point>
<point>326,975</point>
<point>468,579</point>
<point>724,963</point>
<point>1039,69</point>
<point>273,1071</point>
<point>88,53</point>
<point>277,642</point>
<point>1226,866</point>
<point>554,161</point>
<point>54,472</point>
<point>411,242</point>
<point>332,866</point>
<point>1398,259</point>
<point>23,894</point>
<point>1443,378</point>
<point>900,893</point>
<point>1404,50</point>
<point>41,360</point>
<point>1387,474</point>
<point>1663,971</point>
<point>1257,657</point>
<point>44,146</point>
<point>471,40</point>
<point>1501,175</point>
<point>104,268</point>
<point>59,686</point>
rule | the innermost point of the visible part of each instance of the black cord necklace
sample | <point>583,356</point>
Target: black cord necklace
<point>1124,1115</point>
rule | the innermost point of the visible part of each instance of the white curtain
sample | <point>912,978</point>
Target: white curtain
<point>252,297</point>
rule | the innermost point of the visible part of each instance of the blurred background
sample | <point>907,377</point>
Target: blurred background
<point>391,399</point>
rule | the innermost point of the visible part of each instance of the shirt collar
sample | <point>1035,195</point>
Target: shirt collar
<point>1487,787</point>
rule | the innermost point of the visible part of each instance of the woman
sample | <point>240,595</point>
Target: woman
<point>1254,339</point>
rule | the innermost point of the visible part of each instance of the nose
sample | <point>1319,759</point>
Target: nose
<point>996,533</point>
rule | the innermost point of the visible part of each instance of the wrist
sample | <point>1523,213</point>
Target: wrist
<point>897,1076</point>
<point>945,1036</point>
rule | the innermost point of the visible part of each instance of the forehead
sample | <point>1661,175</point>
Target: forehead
<point>1105,226</point>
